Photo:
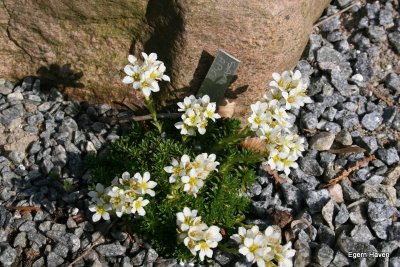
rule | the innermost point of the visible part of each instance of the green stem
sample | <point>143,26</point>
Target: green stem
<point>149,104</point>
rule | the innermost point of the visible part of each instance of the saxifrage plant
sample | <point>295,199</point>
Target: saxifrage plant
<point>188,192</point>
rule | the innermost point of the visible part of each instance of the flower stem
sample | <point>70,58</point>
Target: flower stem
<point>149,104</point>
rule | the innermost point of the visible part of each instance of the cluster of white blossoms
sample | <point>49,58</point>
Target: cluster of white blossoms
<point>269,120</point>
<point>145,75</point>
<point>192,173</point>
<point>288,89</point>
<point>196,235</point>
<point>197,111</point>
<point>264,248</point>
<point>124,196</point>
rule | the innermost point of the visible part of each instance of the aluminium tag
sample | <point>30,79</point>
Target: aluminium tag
<point>219,76</point>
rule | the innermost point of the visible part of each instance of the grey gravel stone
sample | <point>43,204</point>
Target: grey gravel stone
<point>386,18</point>
<point>151,256</point>
<point>392,81</point>
<point>343,215</point>
<point>380,228</point>
<point>378,212</point>
<point>61,250</point>
<point>361,233</point>
<point>322,141</point>
<point>16,157</point>
<point>20,240</point>
<point>59,156</point>
<point>394,231</point>
<point>292,195</point>
<point>389,156</point>
<point>316,200</point>
<point>139,258</point>
<point>111,250</point>
<point>377,33</point>
<point>324,255</point>
<point>53,260</point>
<point>394,40</point>
<point>371,121</point>
<point>8,255</point>
<point>5,90</point>
<point>310,166</point>
<point>39,262</point>
<point>14,97</point>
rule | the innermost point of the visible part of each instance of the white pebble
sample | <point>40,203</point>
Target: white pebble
<point>357,77</point>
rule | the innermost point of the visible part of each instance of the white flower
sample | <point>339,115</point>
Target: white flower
<point>138,204</point>
<point>144,185</point>
<point>284,254</point>
<point>98,194</point>
<point>272,237</point>
<point>144,76</point>
<point>192,183</point>
<point>288,89</point>
<point>239,237</point>
<point>213,235</point>
<point>100,211</point>
<point>259,117</point>
<point>196,114</point>
<point>178,168</point>
<point>196,232</point>
<point>133,75</point>
<point>204,247</point>
<point>148,85</point>
<point>116,194</point>
<point>252,247</point>
<point>150,60</point>
<point>186,218</point>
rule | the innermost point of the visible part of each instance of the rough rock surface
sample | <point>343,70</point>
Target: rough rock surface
<point>88,42</point>
<point>70,43</point>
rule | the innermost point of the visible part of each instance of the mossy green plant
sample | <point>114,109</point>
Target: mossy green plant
<point>222,201</point>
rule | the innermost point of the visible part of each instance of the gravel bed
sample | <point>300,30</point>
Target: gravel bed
<point>44,140</point>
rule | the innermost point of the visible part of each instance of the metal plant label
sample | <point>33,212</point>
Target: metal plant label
<point>219,76</point>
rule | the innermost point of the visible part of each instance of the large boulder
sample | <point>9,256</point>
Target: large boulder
<point>85,44</point>
<point>70,43</point>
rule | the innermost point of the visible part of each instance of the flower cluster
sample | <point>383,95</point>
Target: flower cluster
<point>145,75</point>
<point>196,114</point>
<point>124,196</point>
<point>289,89</point>
<point>192,174</point>
<point>269,120</point>
<point>264,248</point>
<point>196,235</point>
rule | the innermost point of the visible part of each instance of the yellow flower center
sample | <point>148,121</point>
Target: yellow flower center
<point>192,181</point>
<point>101,210</point>
<point>281,83</point>
<point>253,248</point>
<point>290,99</point>
<point>136,77</point>
<point>177,171</point>
<point>145,84</point>
<point>138,204</point>
<point>143,185</point>
<point>257,120</point>
<point>203,246</point>
<point>153,76</point>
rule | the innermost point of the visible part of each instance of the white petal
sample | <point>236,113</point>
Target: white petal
<point>96,217</point>
<point>127,80</point>
<point>132,59</point>
<point>146,91</point>
<point>129,70</point>
<point>166,78</point>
